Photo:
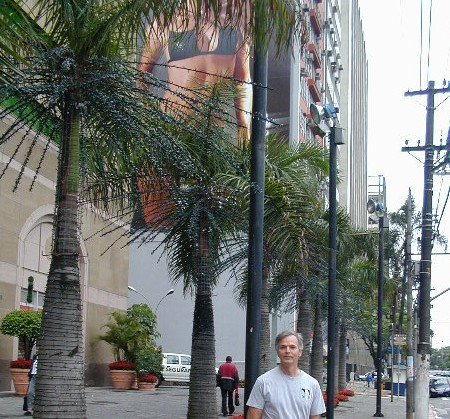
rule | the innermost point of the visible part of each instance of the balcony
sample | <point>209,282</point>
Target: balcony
<point>315,56</point>
<point>315,21</point>
<point>313,89</point>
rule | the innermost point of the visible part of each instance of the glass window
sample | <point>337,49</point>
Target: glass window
<point>185,360</point>
<point>173,359</point>
<point>37,302</point>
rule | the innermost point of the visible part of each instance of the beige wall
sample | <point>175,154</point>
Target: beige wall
<point>104,271</point>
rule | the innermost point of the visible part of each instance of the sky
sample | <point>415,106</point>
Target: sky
<point>397,63</point>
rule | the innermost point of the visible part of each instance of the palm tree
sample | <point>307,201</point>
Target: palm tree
<point>292,184</point>
<point>200,218</point>
<point>65,73</point>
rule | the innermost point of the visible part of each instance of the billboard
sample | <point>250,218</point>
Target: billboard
<point>190,55</point>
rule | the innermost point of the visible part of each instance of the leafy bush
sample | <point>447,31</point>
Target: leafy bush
<point>347,392</point>
<point>131,331</point>
<point>21,363</point>
<point>26,325</point>
<point>149,361</point>
<point>148,378</point>
<point>122,365</point>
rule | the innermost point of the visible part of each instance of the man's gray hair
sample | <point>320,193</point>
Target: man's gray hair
<point>287,333</point>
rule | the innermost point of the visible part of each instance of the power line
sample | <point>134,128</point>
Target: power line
<point>429,41</point>
<point>421,43</point>
<point>443,209</point>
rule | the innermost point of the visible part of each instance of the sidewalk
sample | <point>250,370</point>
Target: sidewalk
<point>169,402</point>
<point>363,404</point>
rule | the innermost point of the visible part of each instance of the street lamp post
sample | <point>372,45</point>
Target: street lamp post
<point>320,115</point>
<point>171,291</point>
<point>376,208</point>
<point>140,293</point>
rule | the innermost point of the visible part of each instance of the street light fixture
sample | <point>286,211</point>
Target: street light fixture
<point>171,291</point>
<point>376,210</point>
<point>140,293</point>
<point>325,117</point>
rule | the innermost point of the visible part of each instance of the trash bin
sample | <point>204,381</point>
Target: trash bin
<point>399,389</point>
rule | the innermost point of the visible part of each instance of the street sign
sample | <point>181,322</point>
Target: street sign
<point>399,339</point>
<point>397,349</point>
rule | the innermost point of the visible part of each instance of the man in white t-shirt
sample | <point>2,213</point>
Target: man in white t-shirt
<point>286,392</point>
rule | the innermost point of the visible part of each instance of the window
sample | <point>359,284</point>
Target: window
<point>37,248</point>
<point>37,302</point>
<point>185,360</point>
<point>173,359</point>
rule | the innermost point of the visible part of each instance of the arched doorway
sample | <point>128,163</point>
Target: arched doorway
<point>34,255</point>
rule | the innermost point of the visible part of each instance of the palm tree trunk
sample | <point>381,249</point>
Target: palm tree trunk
<point>342,377</point>
<point>317,344</point>
<point>336,360</point>
<point>304,326</point>
<point>60,347</point>
<point>266,346</point>
<point>202,385</point>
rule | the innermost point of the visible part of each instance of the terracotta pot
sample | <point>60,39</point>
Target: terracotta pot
<point>134,382</point>
<point>20,380</point>
<point>147,386</point>
<point>121,379</point>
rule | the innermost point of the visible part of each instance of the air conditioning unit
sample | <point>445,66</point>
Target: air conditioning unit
<point>317,77</point>
<point>341,67</point>
<point>305,7</point>
<point>303,72</point>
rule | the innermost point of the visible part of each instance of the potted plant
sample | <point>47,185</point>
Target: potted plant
<point>147,382</point>
<point>26,325</point>
<point>122,374</point>
<point>127,333</point>
<point>149,365</point>
<point>19,370</point>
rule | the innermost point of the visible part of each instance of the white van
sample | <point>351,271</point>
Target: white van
<point>176,367</point>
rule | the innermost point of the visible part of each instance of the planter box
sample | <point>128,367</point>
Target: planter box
<point>122,379</point>
<point>20,380</point>
<point>147,386</point>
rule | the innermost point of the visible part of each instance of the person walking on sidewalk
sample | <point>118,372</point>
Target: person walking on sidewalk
<point>31,387</point>
<point>286,391</point>
<point>228,380</point>
<point>369,379</point>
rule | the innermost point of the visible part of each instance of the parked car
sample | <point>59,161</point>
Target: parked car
<point>439,386</point>
<point>176,368</point>
<point>363,377</point>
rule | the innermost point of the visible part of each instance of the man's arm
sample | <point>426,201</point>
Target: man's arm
<point>315,417</point>
<point>254,413</point>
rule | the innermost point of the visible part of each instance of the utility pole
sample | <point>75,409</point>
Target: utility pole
<point>382,223</point>
<point>409,315</point>
<point>256,222</point>
<point>423,345</point>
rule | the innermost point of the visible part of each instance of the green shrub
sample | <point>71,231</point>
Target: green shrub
<point>149,361</point>
<point>129,332</point>
<point>26,325</point>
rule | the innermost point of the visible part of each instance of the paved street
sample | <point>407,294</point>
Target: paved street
<point>169,402</point>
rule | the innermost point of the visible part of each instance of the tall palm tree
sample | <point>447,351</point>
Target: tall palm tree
<point>202,215</point>
<point>64,72</point>
<point>293,179</point>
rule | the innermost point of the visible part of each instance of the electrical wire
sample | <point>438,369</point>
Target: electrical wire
<point>443,209</point>
<point>439,196</point>
<point>440,103</point>
<point>429,42</point>
<point>421,43</point>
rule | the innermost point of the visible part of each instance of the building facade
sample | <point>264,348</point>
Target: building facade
<point>26,218</point>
